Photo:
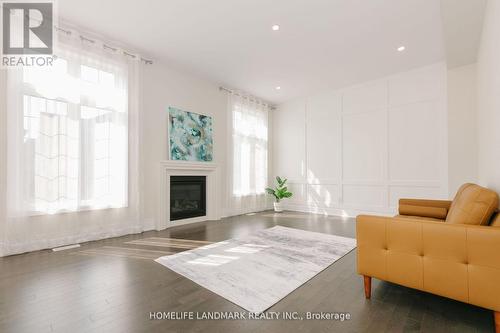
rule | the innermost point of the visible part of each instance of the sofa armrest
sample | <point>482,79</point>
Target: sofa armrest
<point>458,261</point>
<point>437,209</point>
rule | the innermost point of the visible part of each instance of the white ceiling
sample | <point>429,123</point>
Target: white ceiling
<point>322,44</point>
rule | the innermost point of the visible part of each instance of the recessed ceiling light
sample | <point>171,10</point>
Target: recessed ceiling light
<point>275,27</point>
<point>278,88</point>
<point>401,48</point>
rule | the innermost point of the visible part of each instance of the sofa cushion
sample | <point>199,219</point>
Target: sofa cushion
<point>473,204</point>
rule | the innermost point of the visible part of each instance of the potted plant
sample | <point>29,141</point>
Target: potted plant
<point>279,193</point>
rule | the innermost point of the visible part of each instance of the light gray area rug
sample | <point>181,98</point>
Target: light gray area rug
<point>259,270</point>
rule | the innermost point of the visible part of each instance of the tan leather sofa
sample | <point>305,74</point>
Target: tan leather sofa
<point>448,248</point>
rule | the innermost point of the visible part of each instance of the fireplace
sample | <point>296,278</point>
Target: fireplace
<point>168,171</point>
<point>187,197</point>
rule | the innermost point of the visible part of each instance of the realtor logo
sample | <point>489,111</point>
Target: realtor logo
<point>27,28</point>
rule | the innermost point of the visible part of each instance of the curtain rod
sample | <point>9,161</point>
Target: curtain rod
<point>231,91</point>
<point>93,41</point>
<point>90,40</point>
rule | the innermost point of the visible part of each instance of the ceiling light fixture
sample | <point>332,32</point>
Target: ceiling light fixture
<point>278,88</point>
<point>401,48</point>
<point>275,27</point>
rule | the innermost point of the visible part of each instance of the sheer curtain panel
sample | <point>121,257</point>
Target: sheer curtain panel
<point>249,154</point>
<point>72,138</point>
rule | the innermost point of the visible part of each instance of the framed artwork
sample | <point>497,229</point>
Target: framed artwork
<point>190,136</point>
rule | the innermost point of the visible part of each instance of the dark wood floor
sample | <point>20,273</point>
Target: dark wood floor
<point>71,292</point>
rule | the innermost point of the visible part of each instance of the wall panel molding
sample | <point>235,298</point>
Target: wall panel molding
<point>368,145</point>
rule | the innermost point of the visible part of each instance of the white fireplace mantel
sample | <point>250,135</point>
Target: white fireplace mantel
<point>180,168</point>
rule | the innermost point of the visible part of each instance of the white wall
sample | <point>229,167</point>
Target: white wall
<point>462,126</point>
<point>488,77</point>
<point>361,148</point>
<point>164,87</point>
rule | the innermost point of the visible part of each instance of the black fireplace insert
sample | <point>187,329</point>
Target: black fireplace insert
<point>187,197</point>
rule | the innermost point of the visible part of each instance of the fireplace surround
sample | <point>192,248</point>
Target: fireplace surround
<point>170,169</point>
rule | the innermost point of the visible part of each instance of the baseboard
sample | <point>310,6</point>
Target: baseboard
<point>347,212</point>
<point>230,212</point>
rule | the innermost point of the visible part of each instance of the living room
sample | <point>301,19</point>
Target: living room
<point>284,166</point>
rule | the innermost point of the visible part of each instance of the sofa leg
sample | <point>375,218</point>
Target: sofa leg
<point>368,289</point>
<point>497,321</point>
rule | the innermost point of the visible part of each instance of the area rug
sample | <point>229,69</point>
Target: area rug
<point>257,271</point>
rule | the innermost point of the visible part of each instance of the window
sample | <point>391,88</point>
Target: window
<point>75,135</point>
<point>51,143</point>
<point>250,141</point>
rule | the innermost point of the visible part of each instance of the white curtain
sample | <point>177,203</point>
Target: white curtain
<point>248,161</point>
<point>72,139</point>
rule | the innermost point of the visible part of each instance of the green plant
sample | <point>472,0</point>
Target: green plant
<point>281,191</point>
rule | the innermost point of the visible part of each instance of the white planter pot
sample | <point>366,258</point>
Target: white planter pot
<point>277,207</point>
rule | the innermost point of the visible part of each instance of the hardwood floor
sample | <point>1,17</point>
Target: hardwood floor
<point>109,290</point>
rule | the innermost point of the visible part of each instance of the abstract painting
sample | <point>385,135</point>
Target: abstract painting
<point>190,136</point>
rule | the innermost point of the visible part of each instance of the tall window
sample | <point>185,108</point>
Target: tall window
<point>250,147</point>
<point>75,148</point>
